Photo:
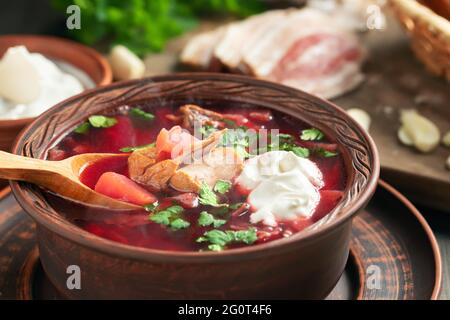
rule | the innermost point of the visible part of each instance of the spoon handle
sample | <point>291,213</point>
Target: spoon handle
<point>14,167</point>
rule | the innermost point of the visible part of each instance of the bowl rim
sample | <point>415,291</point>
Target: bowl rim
<point>68,230</point>
<point>106,71</point>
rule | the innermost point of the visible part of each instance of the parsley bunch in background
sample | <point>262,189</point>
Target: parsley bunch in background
<point>146,25</point>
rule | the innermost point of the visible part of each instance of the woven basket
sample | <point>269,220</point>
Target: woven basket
<point>430,34</point>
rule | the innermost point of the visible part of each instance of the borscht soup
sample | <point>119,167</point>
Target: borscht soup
<point>205,178</point>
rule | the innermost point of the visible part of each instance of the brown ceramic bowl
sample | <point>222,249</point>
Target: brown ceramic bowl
<point>306,265</point>
<point>85,59</point>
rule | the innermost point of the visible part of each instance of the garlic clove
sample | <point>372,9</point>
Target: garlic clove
<point>446,139</point>
<point>125,64</point>
<point>19,79</point>
<point>403,137</point>
<point>360,116</point>
<point>423,133</point>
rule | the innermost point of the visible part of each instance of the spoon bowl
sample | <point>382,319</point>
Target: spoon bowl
<point>61,177</point>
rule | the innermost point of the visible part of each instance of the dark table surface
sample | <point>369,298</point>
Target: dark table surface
<point>24,16</point>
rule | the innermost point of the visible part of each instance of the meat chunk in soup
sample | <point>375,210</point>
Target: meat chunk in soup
<point>158,175</point>
<point>140,160</point>
<point>196,116</point>
<point>221,163</point>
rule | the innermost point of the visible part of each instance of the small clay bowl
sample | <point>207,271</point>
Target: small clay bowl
<point>309,263</point>
<point>85,59</point>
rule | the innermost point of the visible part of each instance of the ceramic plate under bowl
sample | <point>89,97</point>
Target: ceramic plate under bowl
<point>394,254</point>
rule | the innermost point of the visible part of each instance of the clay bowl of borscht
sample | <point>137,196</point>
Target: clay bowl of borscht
<point>245,188</point>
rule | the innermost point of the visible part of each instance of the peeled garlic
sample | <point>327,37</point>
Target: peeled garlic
<point>446,139</point>
<point>19,78</point>
<point>125,64</point>
<point>360,116</point>
<point>418,131</point>
<point>403,137</point>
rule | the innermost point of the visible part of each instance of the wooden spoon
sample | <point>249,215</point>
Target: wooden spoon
<point>61,177</point>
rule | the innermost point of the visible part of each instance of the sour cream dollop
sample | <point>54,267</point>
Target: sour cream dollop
<point>281,185</point>
<point>31,83</point>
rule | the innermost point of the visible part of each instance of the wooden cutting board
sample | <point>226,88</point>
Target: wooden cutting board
<point>395,80</point>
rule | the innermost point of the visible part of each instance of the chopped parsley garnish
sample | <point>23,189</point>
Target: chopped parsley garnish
<point>285,137</point>
<point>206,219</point>
<point>102,121</point>
<point>179,223</point>
<point>222,186</point>
<point>207,196</point>
<point>300,151</point>
<point>206,130</point>
<point>151,207</point>
<point>236,206</point>
<point>83,128</point>
<point>312,134</point>
<point>215,247</point>
<point>286,142</point>
<point>96,122</point>
<point>237,139</point>
<point>325,153</point>
<point>131,149</point>
<point>170,217</point>
<point>219,239</point>
<point>230,123</point>
<point>220,211</point>
<point>141,114</point>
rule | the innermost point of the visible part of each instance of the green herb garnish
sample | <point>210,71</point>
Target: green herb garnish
<point>215,247</point>
<point>141,114</point>
<point>146,25</point>
<point>325,153</point>
<point>230,123</point>
<point>285,137</point>
<point>286,142</point>
<point>96,121</point>
<point>170,217</point>
<point>222,186</point>
<point>151,207</point>
<point>179,223</point>
<point>207,196</point>
<point>131,149</point>
<point>312,134</point>
<point>237,139</point>
<point>102,121</point>
<point>83,128</point>
<point>236,206</point>
<point>206,219</point>
<point>218,239</point>
<point>206,130</point>
<point>300,152</point>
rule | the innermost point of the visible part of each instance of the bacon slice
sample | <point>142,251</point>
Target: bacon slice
<point>308,52</point>
<point>242,36</point>
<point>304,49</point>
<point>199,50</point>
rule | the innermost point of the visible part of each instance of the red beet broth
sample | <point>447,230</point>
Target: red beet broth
<point>135,228</point>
